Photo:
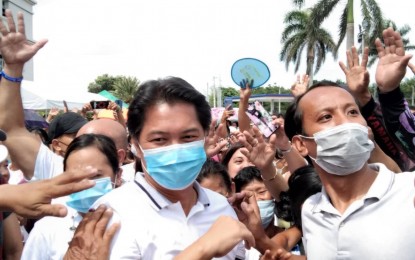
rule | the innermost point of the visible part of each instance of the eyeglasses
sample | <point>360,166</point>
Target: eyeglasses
<point>63,143</point>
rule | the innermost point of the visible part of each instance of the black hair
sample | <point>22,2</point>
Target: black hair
<point>41,133</point>
<point>105,144</point>
<point>214,168</point>
<point>168,90</point>
<point>293,121</point>
<point>229,153</point>
<point>303,183</point>
<point>245,176</point>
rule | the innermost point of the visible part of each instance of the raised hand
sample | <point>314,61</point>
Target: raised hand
<point>392,61</point>
<point>245,91</point>
<point>245,83</point>
<point>282,142</point>
<point>212,144</point>
<point>14,47</point>
<point>300,86</point>
<point>357,75</point>
<point>246,208</point>
<point>259,152</point>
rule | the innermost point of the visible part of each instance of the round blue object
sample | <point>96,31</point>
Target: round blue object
<point>250,69</point>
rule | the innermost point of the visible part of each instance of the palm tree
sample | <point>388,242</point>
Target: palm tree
<point>301,34</point>
<point>370,12</point>
<point>125,88</point>
<point>369,40</point>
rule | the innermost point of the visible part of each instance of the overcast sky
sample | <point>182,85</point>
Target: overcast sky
<point>195,40</point>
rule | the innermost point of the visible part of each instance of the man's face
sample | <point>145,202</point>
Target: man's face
<point>60,144</point>
<point>168,124</point>
<point>327,107</point>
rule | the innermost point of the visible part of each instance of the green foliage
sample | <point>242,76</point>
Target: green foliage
<point>370,10</point>
<point>229,92</point>
<point>302,34</point>
<point>406,87</point>
<point>103,82</point>
<point>125,88</point>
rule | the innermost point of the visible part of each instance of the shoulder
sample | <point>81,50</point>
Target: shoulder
<point>218,203</point>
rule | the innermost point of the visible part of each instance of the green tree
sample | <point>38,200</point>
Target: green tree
<point>125,88</point>
<point>370,39</point>
<point>407,86</point>
<point>370,10</point>
<point>301,33</point>
<point>103,82</point>
<point>229,92</point>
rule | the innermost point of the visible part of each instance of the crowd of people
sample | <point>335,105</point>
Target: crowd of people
<point>334,180</point>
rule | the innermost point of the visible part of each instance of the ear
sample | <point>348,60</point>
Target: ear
<point>121,153</point>
<point>118,180</point>
<point>299,145</point>
<point>55,146</point>
<point>137,148</point>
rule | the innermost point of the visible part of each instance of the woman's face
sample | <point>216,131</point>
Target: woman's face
<point>237,162</point>
<point>259,189</point>
<point>90,156</point>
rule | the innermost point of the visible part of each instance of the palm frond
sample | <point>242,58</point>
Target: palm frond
<point>342,27</point>
<point>321,10</point>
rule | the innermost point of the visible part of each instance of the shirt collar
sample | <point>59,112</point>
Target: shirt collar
<point>377,190</point>
<point>158,201</point>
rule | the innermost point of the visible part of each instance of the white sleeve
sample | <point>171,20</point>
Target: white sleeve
<point>36,246</point>
<point>47,165</point>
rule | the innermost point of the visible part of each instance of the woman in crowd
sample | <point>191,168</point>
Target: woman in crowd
<point>50,236</point>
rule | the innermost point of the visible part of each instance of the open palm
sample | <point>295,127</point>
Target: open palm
<point>14,46</point>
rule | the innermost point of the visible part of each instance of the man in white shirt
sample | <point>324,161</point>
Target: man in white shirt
<point>165,210</point>
<point>359,201</point>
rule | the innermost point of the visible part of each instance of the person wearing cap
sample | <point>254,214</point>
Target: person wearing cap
<point>62,130</point>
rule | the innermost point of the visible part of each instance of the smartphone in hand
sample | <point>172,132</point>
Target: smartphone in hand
<point>99,104</point>
<point>261,118</point>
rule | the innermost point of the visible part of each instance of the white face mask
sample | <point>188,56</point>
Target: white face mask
<point>343,149</point>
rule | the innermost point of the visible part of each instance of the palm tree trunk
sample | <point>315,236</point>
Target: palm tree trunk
<point>310,65</point>
<point>350,25</point>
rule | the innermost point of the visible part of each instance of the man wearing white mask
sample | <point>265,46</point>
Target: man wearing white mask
<point>164,209</point>
<point>358,200</point>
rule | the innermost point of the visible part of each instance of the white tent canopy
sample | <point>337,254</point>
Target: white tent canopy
<point>32,99</point>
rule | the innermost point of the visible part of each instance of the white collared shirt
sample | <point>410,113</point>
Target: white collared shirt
<point>381,225</point>
<point>152,227</point>
<point>50,236</point>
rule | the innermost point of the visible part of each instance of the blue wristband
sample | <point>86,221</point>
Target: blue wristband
<point>10,78</point>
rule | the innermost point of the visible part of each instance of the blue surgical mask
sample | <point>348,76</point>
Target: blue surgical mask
<point>175,167</point>
<point>83,200</point>
<point>266,210</point>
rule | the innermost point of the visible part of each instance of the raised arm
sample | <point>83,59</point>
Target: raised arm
<point>357,76</point>
<point>399,120</point>
<point>392,61</point>
<point>16,51</point>
<point>262,154</point>
<point>244,95</point>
